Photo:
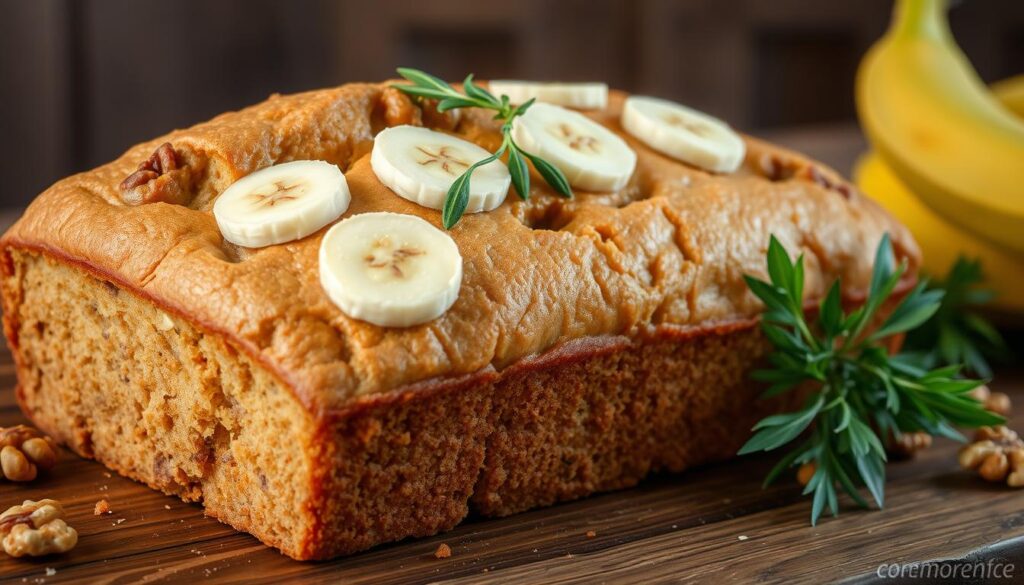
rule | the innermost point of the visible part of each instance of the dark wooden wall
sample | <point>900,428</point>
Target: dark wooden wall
<point>80,80</point>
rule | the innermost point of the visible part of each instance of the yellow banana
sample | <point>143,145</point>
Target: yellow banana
<point>939,129</point>
<point>1011,94</point>
<point>942,241</point>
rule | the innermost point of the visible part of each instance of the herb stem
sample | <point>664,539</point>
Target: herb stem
<point>426,86</point>
<point>864,395</point>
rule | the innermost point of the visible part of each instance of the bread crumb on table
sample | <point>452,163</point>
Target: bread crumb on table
<point>591,534</point>
<point>443,551</point>
<point>50,571</point>
<point>102,507</point>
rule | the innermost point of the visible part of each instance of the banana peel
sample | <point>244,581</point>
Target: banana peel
<point>941,131</point>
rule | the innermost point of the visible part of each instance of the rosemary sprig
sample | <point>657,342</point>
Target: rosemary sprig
<point>956,334</point>
<point>861,395</point>
<point>425,85</point>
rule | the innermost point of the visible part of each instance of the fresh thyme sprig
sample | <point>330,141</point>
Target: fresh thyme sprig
<point>861,396</point>
<point>425,85</point>
<point>956,334</point>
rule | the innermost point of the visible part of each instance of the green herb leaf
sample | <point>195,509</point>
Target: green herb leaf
<point>964,337</point>
<point>475,91</point>
<point>831,314</point>
<point>451,103</point>
<point>915,309</point>
<point>551,175</point>
<point>520,173</point>
<point>455,201</point>
<point>457,198</point>
<point>860,394</point>
<point>426,86</point>
<point>425,80</point>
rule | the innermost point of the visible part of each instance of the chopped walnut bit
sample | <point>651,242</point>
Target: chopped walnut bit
<point>815,175</point>
<point>36,529</point>
<point>775,169</point>
<point>805,473</point>
<point>397,109</point>
<point>145,185</point>
<point>24,451</point>
<point>439,120</point>
<point>996,402</point>
<point>443,551</point>
<point>908,444</point>
<point>997,453</point>
<point>102,507</point>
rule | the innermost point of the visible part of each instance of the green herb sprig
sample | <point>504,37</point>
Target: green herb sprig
<point>862,396</point>
<point>956,333</point>
<point>424,85</point>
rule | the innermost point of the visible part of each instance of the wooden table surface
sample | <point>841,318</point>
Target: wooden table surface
<point>714,523</point>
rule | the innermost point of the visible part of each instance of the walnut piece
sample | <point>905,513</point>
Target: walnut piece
<point>997,453</point>
<point>159,178</point>
<point>774,168</point>
<point>24,451</point>
<point>805,472</point>
<point>906,445</point>
<point>815,175</point>
<point>36,529</point>
<point>996,402</point>
<point>436,120</point>
<point>397,109</point>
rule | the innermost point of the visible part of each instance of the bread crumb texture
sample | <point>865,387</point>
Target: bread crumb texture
<point>189,414</point>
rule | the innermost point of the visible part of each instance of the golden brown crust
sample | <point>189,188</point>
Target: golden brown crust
<point>669,250</point>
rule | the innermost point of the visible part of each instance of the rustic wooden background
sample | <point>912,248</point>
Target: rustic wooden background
<point>80,80</point>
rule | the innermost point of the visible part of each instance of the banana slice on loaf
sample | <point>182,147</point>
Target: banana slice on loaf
<point>683,133</point>
<point>420,165</point>
<point>281,203</point>
<point>591,156</point>
<point>582,96</point>
<point>390,269</point>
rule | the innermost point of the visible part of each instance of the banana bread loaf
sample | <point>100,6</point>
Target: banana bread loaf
<point>595,339</point>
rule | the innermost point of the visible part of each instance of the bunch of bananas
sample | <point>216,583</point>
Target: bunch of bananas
<point>949,151</point>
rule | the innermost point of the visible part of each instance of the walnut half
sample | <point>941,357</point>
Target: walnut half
<point>24,452</point>
<point>159,178</point>
<point>907,444</point>
<point>35,529</point>
<point>997,453</point>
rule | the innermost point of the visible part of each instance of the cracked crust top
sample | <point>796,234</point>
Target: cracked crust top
<point>669,250</point>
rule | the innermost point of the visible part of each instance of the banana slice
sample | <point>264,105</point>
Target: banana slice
<point>420,165</point>
<point>592,157</point>
<point>390,269</point>
<point>281,203</point>
<point>582,96</point>
<point>683,133</point>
